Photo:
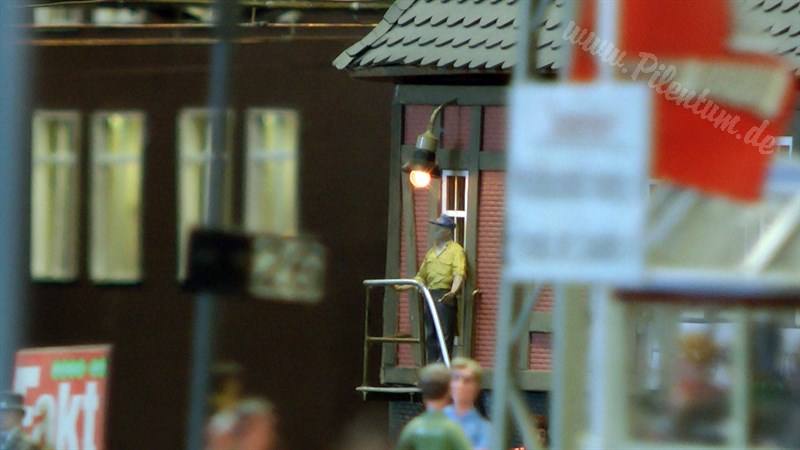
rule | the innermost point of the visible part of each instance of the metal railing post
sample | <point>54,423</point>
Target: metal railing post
<point>431,306</point>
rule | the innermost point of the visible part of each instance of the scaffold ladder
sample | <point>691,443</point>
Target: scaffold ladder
<point>370,340</point>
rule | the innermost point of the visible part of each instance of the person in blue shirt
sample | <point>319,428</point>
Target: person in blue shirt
<point>432,430</point>
<point>465,386</point>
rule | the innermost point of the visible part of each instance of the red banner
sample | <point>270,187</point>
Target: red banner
<point>718,112</point>
<point>65,395</point>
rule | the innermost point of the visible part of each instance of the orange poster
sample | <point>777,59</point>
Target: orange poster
<point>65,391</point>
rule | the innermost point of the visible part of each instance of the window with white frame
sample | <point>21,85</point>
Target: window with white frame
<point>194,160</point>
<point>271,197</point>
<point>117,140</point>
<point>454,200</point>
<point>55,195</point>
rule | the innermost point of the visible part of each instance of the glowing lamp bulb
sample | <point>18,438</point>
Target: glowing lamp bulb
<point>419,178</point>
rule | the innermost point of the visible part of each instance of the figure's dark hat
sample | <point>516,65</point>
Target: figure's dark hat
<point>444,221</point>
<point>11,401</point>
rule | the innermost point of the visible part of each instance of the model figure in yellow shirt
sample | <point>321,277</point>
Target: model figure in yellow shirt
<point>443,272</point>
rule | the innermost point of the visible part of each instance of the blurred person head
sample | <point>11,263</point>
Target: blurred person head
<point>239,422</point>
<point>697,402</point>
<point>465,382</point>
<point>258,428</point>
<point>434,383</point>
<point>12,410</point>
<point>699,349</point>
<point>226,385</point>
<point>695,382</point>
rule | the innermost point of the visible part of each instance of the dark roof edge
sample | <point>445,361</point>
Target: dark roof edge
<point>413,75</point>
<point>436,75</point>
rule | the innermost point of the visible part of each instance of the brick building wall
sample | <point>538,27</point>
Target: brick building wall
<point>491,210</point>
<point>421,202</point>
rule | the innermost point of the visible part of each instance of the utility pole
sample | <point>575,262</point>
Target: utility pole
<point>14,172</point>
<point>516,300</point>
<point>204,326</point>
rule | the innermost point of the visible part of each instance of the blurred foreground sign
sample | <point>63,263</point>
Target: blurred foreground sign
<point>65,395</point>
<point>577,182</point>
<point>288,268</point>
<point>265,266</point>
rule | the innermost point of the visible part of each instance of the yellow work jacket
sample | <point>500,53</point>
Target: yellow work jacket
<point>438,271</point>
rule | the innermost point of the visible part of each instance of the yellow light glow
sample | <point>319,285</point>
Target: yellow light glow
<point>419,179</point>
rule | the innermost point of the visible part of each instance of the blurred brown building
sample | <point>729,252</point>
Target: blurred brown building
<point>119,140</point>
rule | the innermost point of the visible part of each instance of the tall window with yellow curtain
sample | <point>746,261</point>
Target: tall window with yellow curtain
<point>55,195</point>
<point>271,185</point>
<point>117,142</point>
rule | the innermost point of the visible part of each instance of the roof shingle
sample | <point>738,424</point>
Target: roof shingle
<point>439,34</point>
<point>482,34</point>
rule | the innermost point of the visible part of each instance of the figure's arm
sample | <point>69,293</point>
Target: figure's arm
<point>422,274</point>
<point>458,280</point>
<point>408,286</point>
<point>459,273</point>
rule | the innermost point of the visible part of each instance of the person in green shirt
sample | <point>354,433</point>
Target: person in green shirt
<point>443,272</point>
<point>432,430</point>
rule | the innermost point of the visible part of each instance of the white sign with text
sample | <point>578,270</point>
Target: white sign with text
<point>577,182</point>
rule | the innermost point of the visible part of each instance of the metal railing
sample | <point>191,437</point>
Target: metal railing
<point>431,307</point>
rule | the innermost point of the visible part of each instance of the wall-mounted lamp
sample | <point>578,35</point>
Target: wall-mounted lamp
<point>422,166</point>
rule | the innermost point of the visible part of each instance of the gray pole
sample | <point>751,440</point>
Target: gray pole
<point>506,405</point>
<point>203,337</point>
<point>14,171</point>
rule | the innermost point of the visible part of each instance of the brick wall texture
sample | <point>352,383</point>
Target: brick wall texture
<point>490,247</point>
